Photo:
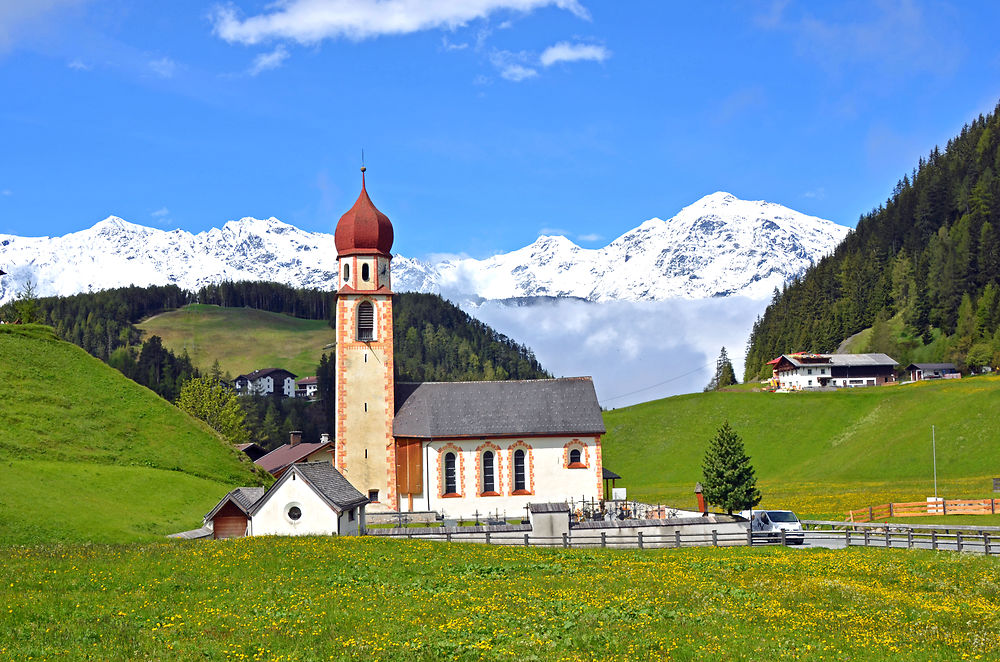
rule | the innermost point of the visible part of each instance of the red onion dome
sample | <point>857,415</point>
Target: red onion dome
<point>363,230</point>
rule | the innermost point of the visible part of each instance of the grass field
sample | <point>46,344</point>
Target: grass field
<point>366,598</point>
<point>242,339</point>
<point>817,453</point>
<point>89,455</point>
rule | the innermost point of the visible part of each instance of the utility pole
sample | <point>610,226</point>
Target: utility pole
<point>934,453</point>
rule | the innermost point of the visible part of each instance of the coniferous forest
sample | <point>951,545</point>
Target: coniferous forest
<point>921,271</point>
<point>434,341</point>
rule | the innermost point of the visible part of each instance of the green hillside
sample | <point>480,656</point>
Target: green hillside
<point>88,455</point>
<point>242,339</point>
<point>818,453</point>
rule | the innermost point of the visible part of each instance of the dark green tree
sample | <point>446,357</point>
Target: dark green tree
<point>728,477</point>
<point>724,373</point>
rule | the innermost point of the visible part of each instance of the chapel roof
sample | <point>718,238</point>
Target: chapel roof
<point>363,229</point>
<point>331,484</point>
<point>538,407</point>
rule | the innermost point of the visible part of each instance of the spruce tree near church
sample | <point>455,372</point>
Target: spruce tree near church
<point>729,480</point>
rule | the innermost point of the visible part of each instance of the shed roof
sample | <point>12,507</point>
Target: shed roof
<point>566,406</point>
<point>608,474</point>
<point>287,454</point>
<point>549,507</point>
<point>243,498</point>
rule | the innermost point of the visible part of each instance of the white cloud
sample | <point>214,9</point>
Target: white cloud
<point>164,67</point>
<point>78,65</point>
<point>311,21</point>
<point>266,61</point>
<point>817,194</point>
<point>450,46</point>
<point>161,212</point>
<point>593,236</point>
<point>636,362</point>
<point>517,73</point>
<point>512,66</point>
<point>567,52</point>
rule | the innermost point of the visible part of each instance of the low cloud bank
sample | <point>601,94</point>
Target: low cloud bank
<point>635,351</point>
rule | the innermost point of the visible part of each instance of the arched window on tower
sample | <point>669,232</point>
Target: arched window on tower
<point>489,476</point>
<point>365,273</point>
<point>450,474</point>
<point>366,321</point>
<point>519,477</point>
<point>347,272</point>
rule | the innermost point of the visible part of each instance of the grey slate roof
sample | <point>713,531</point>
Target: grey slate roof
<point>566,406</point>
<point>329,484</point>
<point>608,474</point>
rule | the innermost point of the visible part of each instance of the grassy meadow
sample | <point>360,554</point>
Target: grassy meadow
<point>820,454</point>
<point>242,339</point>
<point>86,454</point>
<point>368,598</point>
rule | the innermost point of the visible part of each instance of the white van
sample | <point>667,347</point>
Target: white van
<point>773,522</point>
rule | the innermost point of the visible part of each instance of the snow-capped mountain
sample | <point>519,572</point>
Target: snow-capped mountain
<point>718,246</point>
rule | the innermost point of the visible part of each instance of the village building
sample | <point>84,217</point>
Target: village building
<point>267,381</point>
<point>923,371</point>
<point>802,371</point>
<point>459,448</point>
<point>307,387</point>
<point>282,457</point>
<point>310,498</point>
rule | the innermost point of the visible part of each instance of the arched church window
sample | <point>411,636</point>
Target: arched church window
<point>347,272</point>
<point>365,274</point>
<point>489,475</point>
<point>519,476</point>
<point>450,474</point>
<point>574,456</point>
<point>366,321</point>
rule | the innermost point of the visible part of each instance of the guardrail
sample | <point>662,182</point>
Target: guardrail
<point>980,540</point>
<point>924,509</point>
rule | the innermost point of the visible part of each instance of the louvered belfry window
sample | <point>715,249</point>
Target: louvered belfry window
<point>366,321</point>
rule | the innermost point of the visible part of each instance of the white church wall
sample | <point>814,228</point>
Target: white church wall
<point>547,475</point>
<point>318,518</point>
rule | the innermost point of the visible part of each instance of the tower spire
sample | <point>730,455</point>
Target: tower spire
<point>363,169</point>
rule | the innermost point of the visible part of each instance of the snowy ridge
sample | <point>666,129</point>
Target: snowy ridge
<point>718,246</point>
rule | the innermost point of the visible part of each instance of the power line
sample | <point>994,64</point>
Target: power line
<point>665,381</point>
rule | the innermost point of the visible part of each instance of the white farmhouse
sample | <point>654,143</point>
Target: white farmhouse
<point>803,371</point>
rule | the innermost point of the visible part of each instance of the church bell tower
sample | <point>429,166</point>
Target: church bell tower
<point>365,448</point>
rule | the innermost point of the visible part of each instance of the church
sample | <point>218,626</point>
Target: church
<point>457,448</point>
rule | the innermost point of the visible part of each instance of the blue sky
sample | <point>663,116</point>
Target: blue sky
<point>485,122</point>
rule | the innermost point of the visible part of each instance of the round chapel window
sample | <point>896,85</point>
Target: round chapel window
<point>294,513</point>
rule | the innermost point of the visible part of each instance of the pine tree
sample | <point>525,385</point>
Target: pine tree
<point>724,373</point>
<point>728,477</point>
